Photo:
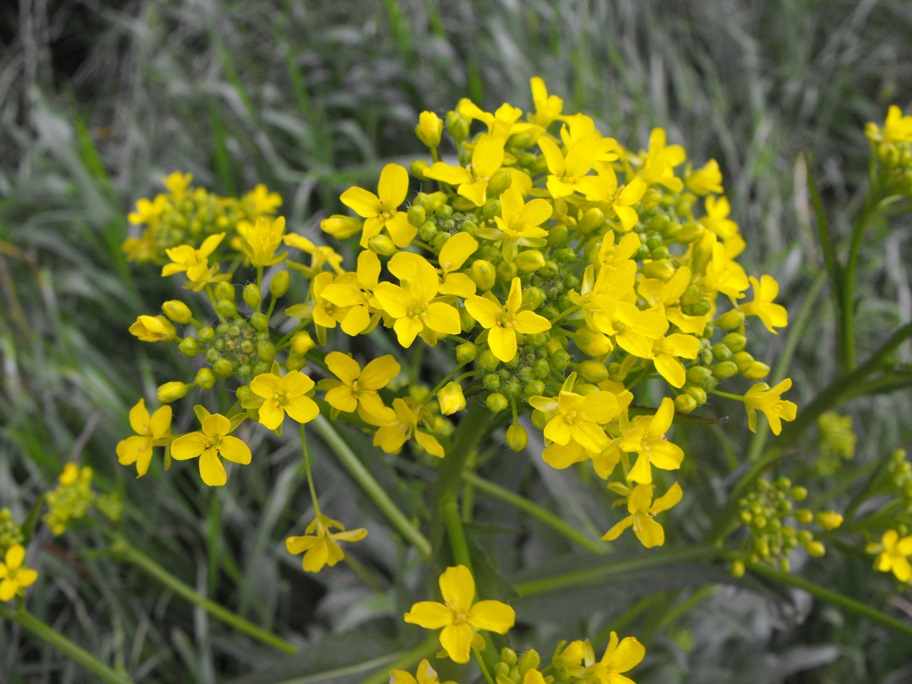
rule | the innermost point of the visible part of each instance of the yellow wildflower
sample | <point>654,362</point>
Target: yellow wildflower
<point>283,395</point>
<point>153,329</point>
<point>472,180</point>
<point>769,400</point>
<point>642,512</point>
<point>505,321</point>
<point>460,615</point>
<point>429,129</point>
<point>425,674</point>
<point>208,444</point>
<point>646,438</point>
<point>765,291</point>
<point>390,436</point>
<point>357,389</point>
<point>356,294</point>
<point>151,431</point>
<point>319,545</point>
<point>705,180</point>
<point>260,240</point>
<point>14,576</point>
<point>382,210</point>
<point>194,262</point>
<point>893,553</point>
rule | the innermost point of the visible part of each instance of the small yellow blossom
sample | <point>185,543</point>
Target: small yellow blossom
<point>14,576</point>
<point>646,438</point>
<point>620,656</point>
<point>195,262</point>
<point>319,545</point>
<point>390,436</point>
<point>642,513</point>
<point>505,321</point>
<point>472,180</point>
<point>208,444</point>
<point>893,555</point>
<point>283,395</point>
<point>429,129</point>
<point>460,615</point>
<point>260,241</point>
<point>357,389</point>
<point>451,398</point>
<point>153,329</point>
<point>382,210</point>
<point>769,400</point>
<point>765,291</point>
<point>151,431</point>
<point>425,674</point>
<point>705,180</point>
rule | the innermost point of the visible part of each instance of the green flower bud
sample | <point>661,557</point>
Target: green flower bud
<point>225,290</point>
<point>205,378</point>
<point>738,569</point>
<point>499,182</point>
<point>177,311</point>
<point>533,297</point>
<point>279,284</point>
<point>592,219</point>
<point>661,269</point>
<point>684,403</point>
<point>457,126</point>
<point>172,391</point>
<point>506,271</point>
<point>721,353</point>
<point>735,341</point>
<point>529,260</point>
<point>698,393</point>
<point>492,382</point>
<point>697,375</point>
<point>223,368</point>
<point>508,656</point>
<point>417,169</point>
<point>690,232</point>
<point>251,296</point>
<point>266,350</point>
<point>730,320</point>
<point>530,660</point>
<point>189,346</point>
<point>340,226</point>
<point>427,231</point>
<point>487,361</point>
<point>226,308</point>
<point>382,245</point>
<point>491,209</point>
<point>816,549</point>
<point>295,362</point>
<point>757,371</point>
<point>466,352</point>
<point>559,360</point>
<point>259,321</point>
<point>483,274</point>
<point>724,370</point>
<point>517,437</point>
<point>206,334</point>
<point>496,402</point>
<point>593,371</point>
<point>743,360</point>
<point>417,215</point>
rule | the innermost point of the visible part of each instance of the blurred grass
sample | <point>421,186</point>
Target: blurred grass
<point>98,102</point>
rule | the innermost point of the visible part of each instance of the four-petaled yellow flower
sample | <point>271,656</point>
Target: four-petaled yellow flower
<point>642,511</point>
<point>390,436</point>
<point>620,656</point>
<point>472,181</point>
<point>14,576</point>
<point>765,291</point>
<point>505,321</point>
<point>357,389</point>
<point>319,545</point>
<point>193,262</point>
<point>646,438</point>
<point>382,210</point>
<point>425,674</point>
<point>768,399</point>
<point>151,431</point>
<point>260,240</point>
<point>210,443</point>
<point>459,615</point>
<point>283,395</point>
<point>893,555</point>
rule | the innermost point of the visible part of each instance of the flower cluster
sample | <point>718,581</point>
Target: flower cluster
<point>892,148</point>
<point>769,513</point>
<point>837,442</point>
<point>74,498</point>
<point>15,576</point>
<point>10,531</point>
<point>561,269</point>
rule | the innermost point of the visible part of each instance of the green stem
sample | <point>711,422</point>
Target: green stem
<point>445,507</point>
<point>603,571</point>
<point>55,639</point>
<point>371,487</point>
<point>125,552</point>
<point>833,597</point>
<point>540,513</point>
<point>310,482</point>
<point>482,666</point>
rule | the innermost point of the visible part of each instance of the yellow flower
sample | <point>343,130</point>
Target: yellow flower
<point>716,219</point>
<point>578,417</point>
<point>261,240</point>
<point>706,180</point>
<point>619,657</point>
<point>658,167</point>
<point>411,302</point>
<point>451,398</point>
<point>14,576</point>
<point>392,435</point>
<point>429,129</point>
<point>472,181</point>
<point>765,291</point>
<point>177,183</point>
<point>459,615</point>
<point>519,222</point>
<point>893,553</point>
<point>194,262</point>
<point>646,437</point>
<point>382,210</point>
<point>284,395</point>
<point>148,212</point>
<point>769,400</point>
<point>570,173</point>
<point>425,675</point>
<point>355,294</point>
<point>642,511</point>
<point>153,329</point>
<point>357,389</point>
<point>260,201</point>
<point>665,354</point>
<point>547,107</point>
<point>319,545</point>
<point>210,443</point>
<point>505,321</point>
<point>897,128</point>
<point>150,432</point>
<point>453,255</point>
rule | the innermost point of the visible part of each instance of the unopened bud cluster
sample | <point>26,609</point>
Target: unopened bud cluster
<point>10,532</point>
<point>837,442</point>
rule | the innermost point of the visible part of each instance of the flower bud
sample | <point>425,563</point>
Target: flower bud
<point>529,260</point>
<point>302,343</point>
<point>382,245</point>
<point>499,182</point>
<point>279,284</point>
<point>738,569</point>
<point>206,334</point>
<point>417,169</point>
<point>205,378</point>
<point>189,347</point>
<point>172,391</point>
<point>698,393</point>
<point>153,329</point>
<point>466,352</point>
<point>251,296</point>
<point>429,129</point>
<point>417,215</point>
<point>724,370</point>
<point>487,361</point>
<point>684,403</point>
<point>451,398</point>
<point>743,360</point>
<point>226,308</point>
<point>592,219</point>
<point>816,549</point>
<point>223,368</point>
<point>593,343</point>
<point>177,311</point>
<point>757,371</point>
<point>225,290</point>
<point>340,226</point>
<point>697,375</point>
<point>730,320</point>
<point>593,371</point>
<point>734,341</point>
<point>691,231</point>
<point>295,362</point>
<point>483,274</point>
<point>720,352</point>
<point>828,520</point>
<point>496,402</point>
<point>662,269</point>
<point>259,321</point>
<point>457,126</point>
<point>266,350</point>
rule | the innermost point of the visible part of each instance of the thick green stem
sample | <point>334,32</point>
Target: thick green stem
<point>833,597</point>
<point>55,639</point>
<point>371,487</point>
<point>445,511</point>
<point>131,555</point>
<point>541,514</point>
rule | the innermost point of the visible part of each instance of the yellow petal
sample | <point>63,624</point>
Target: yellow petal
<point>393,186</point>
<point>188,446</point>
<point>457,641</point>
<point>302,409</point>
<point>139,418</point>
<point>211,469</point>
<point>430,615</point>
<point>443,318</point>
<point>363,202</point>
<point>343,367</point>
<point>235,450</point>
<point>483,310</point>
<point>457,586</point>
<point>493,616</point>
<point>502,342</point>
